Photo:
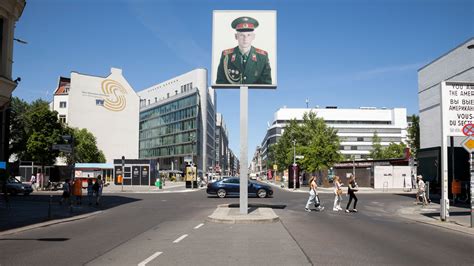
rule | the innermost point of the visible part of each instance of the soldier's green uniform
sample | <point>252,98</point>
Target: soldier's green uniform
<point>237,68</point>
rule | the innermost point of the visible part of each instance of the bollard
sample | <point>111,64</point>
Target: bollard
<point>427,192</point>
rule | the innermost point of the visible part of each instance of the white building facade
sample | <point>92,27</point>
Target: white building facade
<point>177,122</point>
<point>356,127</point>
<point>108,107</point>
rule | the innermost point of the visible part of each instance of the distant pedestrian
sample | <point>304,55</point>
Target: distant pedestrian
<point>98,186</point>
<point>313,196</point>
<point>351,189</point>
<point>90,191</point>
<point>338,194</point>
<point>33,182</point>
<point>66,192</point>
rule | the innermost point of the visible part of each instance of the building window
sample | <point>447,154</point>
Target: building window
<point>62,119</point>
<point>176,92</point>
<point>148,101</point>
<point>360,139</point>
<point>156,99</point>
<point>353,148</point>
<point>168,95</point>
<point>62,104</point>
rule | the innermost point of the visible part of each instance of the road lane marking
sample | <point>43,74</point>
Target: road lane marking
<point>197,226</point>
<point>152,257</point>
<point>180,238</point>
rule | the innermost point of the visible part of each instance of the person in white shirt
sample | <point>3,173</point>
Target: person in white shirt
<point>338,194</point>
<point>313,196</point>
<point>33,182</point>
<point>421,191</point>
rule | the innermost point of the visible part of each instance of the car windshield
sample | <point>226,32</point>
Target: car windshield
<point>13,180</point>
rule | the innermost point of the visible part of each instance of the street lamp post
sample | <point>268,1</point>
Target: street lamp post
<point>294,164</point>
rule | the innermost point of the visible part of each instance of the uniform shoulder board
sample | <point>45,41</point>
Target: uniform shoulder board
<point>228,51</point>
<point>260,51</point>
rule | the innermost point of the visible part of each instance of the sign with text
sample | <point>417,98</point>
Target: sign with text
<point>457,107</point>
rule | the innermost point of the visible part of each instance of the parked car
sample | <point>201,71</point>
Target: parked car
<point>231,186</point>
<point>15,186</point>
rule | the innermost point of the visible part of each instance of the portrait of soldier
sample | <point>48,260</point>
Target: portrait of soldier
<point>244,64</point>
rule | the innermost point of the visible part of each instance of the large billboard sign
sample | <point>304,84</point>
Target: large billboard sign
<point>457,107</point>
<point>244,49</point>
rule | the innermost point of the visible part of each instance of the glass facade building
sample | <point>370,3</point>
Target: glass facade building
<point>170,128</point>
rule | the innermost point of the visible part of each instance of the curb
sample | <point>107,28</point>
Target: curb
<point>49,223</point>
<point>221,215</point>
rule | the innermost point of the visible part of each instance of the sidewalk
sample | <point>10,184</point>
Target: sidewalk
<point>167,188</point>
<point>459,218</point>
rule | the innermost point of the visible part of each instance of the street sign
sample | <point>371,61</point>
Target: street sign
<point>62,147</point>
<point>468,130</point>
<point>468,144</point>
<point>457,107</point>
<point>275,167</point>
<point>299,156</point>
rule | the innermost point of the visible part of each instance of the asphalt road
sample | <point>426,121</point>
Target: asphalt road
<point>170,229</point>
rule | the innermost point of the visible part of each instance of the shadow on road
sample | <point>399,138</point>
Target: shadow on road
<point>55,239</point>
<point>33,209</point>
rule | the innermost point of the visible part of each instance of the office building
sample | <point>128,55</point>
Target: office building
<point>177,122</point>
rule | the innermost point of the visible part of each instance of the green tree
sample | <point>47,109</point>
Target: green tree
<point>19,128</point>
<point>377,150</point>
<point>45,130</point>
<point>318,143</point>
<point>394,150</point>
<point>85,147</point>
<point>414,135</point>
<point>321,146</point>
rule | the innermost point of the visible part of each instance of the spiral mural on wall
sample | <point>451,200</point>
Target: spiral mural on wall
<point>115,93</point>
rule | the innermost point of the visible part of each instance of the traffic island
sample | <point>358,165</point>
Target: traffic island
<point>230,214</point>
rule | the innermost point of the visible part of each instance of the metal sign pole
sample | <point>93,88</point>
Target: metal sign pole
<point>472,188</point>
<point>244,92</point>
<point>444,165</point>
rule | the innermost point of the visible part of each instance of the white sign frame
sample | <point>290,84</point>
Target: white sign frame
<point>223,38</point>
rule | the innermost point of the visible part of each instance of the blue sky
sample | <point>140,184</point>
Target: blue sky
<point>343,53</point>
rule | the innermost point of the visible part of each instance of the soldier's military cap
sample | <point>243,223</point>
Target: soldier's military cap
<point>244,24</point>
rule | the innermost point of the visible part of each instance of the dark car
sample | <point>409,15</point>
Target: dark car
<point>231,186</point>
<point>15,186</point>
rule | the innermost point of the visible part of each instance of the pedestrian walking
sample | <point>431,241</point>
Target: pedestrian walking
<point>313,196</point>
<point>98,186</point>
<point>351,189</point>
<point>66,192</point>
<point>90,191</point>
<point>33,182</point>
<point>338,194</point>
<point>421,194</point>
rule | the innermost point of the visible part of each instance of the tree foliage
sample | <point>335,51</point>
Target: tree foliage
<point>44,131</point>
<point>318,143</point>
<point>85,148</point>
<point>35,128</point>
<point>414,135</point>
<point>394,150</point>
<point>377,150</point>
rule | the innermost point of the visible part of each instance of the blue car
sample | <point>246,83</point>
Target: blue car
<point>231,186</point>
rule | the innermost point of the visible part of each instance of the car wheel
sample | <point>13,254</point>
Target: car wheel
<point>26,193</point>
<point>221,193</point>
<point>262,193</point>
<point>13,192</point>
